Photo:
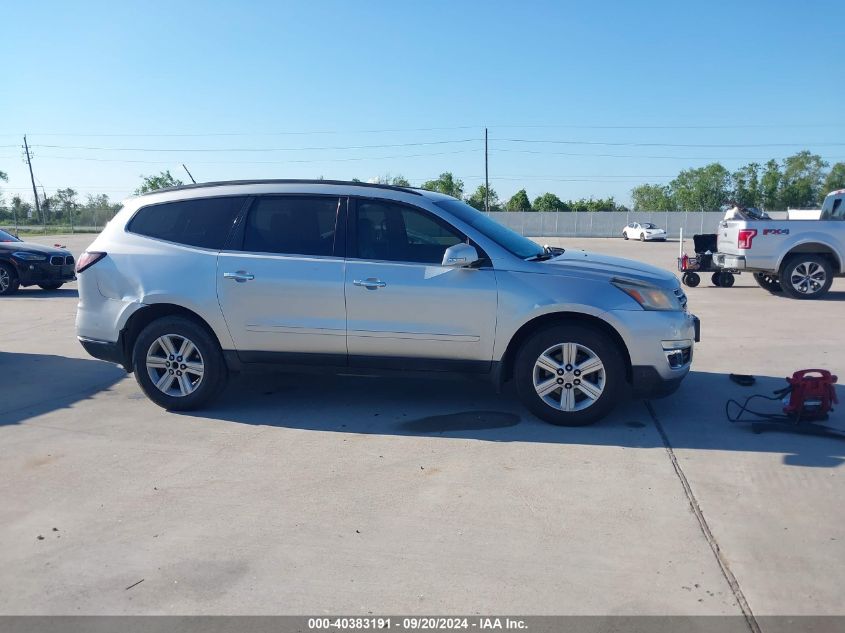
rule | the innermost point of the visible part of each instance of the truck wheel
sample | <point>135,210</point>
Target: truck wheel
<point>806,276</point>
<point>178,364</point>
<point>570,375</point>
<point>52,286</point>
<point>768,282</point>
<point>9,282</point>
<point>691,279</point>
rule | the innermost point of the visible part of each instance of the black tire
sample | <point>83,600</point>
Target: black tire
<point>214,375</point>
<point>820,276</point>
<point>716,279</point>
<point>9,282</point>
<point>727,280</point>
<point>624,235</point>
<point>768,282</point>
<point>50,286</point>
<point>642,237</point>
<point>691,279</point>
<point>599,343</point>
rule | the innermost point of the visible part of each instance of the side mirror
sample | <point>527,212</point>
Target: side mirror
<point>460,255</point>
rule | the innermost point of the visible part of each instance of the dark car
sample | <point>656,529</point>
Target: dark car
<point>27,264</point>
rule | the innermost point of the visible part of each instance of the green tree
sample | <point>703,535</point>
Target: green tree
<point>63,203</point>
<point>519,202</point>
<point>446,183</point>
<point>549,202</point>
<point>157,181</point>
<point>803,177</point>
<point>834,180</point>
<point>652,198</point>
<point>770,186</point>
<point>746,185</point>
<point>702,189</point>
<point>396,181</point>
<point>477,199</point>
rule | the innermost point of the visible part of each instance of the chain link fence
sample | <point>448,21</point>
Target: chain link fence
<point>605,223</point>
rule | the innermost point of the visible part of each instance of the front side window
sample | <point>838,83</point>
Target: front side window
<point>398,233</point>
<point>292,225</point>
<point>202,222</point>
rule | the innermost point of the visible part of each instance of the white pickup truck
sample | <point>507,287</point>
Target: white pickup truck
<point>797,257</point>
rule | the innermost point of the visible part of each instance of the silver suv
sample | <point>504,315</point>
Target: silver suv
<point>188,285</point>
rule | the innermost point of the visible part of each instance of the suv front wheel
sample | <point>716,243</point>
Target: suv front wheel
<point>570,375</point>
<point>178,364</point>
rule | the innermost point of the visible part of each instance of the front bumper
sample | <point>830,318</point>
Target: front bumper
<point>655,237</point>
<point>32,273</point>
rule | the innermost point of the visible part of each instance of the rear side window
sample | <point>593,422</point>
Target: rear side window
<point>292,225</point>
<point>203,222</point>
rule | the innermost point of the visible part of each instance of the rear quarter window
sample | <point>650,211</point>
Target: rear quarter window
<point>202,222</point>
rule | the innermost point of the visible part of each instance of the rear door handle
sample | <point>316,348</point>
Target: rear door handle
<point>240,276</point>
<point>370,284</point>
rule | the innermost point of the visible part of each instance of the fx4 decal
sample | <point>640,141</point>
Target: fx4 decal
<point>775,231</point>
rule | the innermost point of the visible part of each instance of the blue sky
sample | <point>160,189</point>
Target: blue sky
<point>302,81</point>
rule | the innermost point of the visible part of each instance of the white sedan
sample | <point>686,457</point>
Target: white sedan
<point>645,231</point>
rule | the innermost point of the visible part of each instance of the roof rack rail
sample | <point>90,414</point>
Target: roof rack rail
<point>285,181</point>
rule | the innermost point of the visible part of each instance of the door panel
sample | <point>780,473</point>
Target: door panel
<point>401,303</point>
<point>422,311</point>
<point>289,297</point>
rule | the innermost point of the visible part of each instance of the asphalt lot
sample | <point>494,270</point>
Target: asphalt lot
<point>306,495</point>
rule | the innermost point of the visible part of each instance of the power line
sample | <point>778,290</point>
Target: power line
<point>546,153</point>
<point>256,149</point>
<point>686,145</point>
<point>726,126</point>
<point>261,162</point>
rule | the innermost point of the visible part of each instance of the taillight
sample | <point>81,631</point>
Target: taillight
<point>745,237</point>
<point>86,260</point>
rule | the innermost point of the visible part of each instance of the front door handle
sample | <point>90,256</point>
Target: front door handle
<point>240,276</point>
<point>370,284</point>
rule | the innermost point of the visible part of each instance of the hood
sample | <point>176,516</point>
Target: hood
<point>578,262</point>
<point>12,247</point>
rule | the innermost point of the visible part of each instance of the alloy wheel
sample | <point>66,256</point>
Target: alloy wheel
<point>4,280</point>
<point>569,377</point>
<point>808,277</point>
<point>175,365</point>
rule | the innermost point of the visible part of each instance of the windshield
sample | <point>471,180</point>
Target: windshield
<point>648,225</point>
<point>7,237</point>
<point>511,241</point>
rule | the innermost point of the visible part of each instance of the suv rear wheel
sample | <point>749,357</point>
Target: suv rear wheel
<point>806,276</point>
<point>570,375</point>
<point>178,364</point>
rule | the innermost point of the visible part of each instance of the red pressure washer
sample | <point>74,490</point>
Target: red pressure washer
<point>808,397</point>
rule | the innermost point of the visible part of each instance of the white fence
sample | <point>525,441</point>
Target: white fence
<point>604,223</point>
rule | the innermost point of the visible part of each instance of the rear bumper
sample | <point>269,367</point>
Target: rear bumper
<point>724,260</point>
<point>104,350</point>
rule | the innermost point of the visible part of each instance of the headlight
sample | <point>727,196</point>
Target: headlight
<point>29,257</point>
<point>649,297</point>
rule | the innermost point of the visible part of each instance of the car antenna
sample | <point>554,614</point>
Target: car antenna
<point>189,174</point>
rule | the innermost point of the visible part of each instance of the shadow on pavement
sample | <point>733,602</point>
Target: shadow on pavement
<point>34,292</point>
<point>34,384</point>
<point>692,418</point>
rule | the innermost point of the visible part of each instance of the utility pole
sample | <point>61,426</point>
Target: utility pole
<point>32,179</point>
<point>486,176</point>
